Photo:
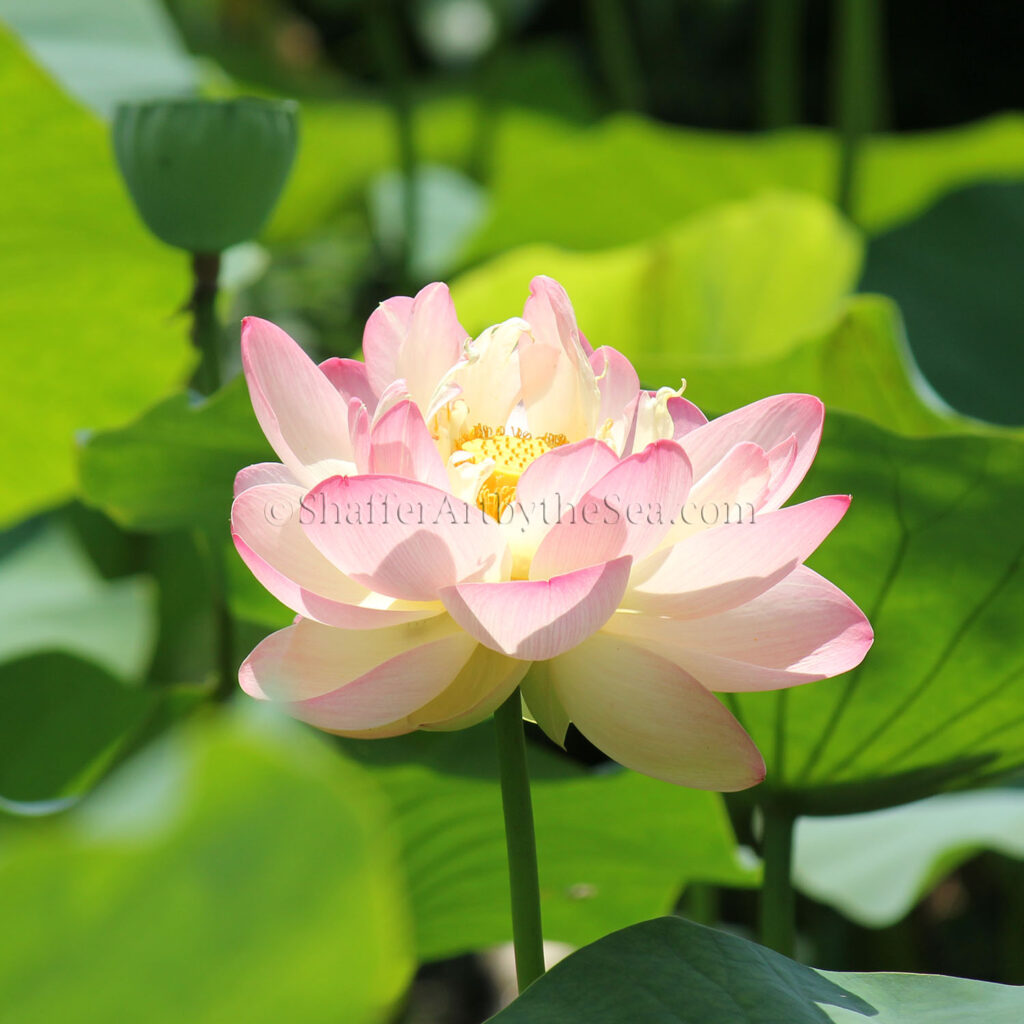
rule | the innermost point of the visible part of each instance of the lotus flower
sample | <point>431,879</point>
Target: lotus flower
<point>453,518</point>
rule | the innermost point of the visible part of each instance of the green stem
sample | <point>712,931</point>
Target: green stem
<point>206,333</point>
<point>857,87</point>
<point>527,936</point>
<point>207,336</point>
<point>780,62</point>
<point>778,900</point>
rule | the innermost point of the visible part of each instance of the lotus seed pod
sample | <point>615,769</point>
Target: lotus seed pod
<point>205,174</point>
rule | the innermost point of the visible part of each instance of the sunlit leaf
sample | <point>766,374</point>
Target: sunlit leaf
<point>931,549</point>
<point>89,333</point>
<point>627,178</point>
<point>874,867</point>
<point>613,848</point>
<point>230,873</point>
<point>174,467</point>
<point>671,971</point>
<point>738,281</point>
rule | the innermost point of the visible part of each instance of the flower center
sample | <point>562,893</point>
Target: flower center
<point>512,451</point>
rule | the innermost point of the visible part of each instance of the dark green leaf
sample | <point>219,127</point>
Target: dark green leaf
<point>64,721</point>
<point>671,971</point>
<point>956,275</point>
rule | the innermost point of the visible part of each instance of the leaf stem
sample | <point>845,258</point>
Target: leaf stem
<point>527,936</point>
<point>778,900</point>
<point>206,333</point>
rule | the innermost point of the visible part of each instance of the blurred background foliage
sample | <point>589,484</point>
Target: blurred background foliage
<point>757,195</point>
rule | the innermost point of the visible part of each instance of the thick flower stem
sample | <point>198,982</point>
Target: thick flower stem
<point>527,936</point>
<point>778,900</point>
<point>206,333</point>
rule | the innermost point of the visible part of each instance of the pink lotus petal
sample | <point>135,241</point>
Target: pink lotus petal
<point>401,445</point>
<point>265,525</point>
<point>303,416</point>
<point>263,473</point>
<point>685,416</point>
<point>560,393</point>
<point>718,569</point>
<point>404,538</point>
<point>767,423</point>
<point>416,340</point>
<point>650,715</point>
<point>350,378</point>
<point>616,380</point>
<point>802,630</point>
<point>349,682</point>
<point>626,512</point>
<point>538,619</point>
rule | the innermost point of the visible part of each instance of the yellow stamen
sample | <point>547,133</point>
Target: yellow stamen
<point>512,451</point>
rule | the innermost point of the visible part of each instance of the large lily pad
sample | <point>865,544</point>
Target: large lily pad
<point>228,874</point>
<point>89,334</point>
<point>671,971</point>
<point>931,549</point>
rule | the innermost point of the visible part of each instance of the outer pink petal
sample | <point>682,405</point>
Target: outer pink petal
<point>560,393</point>
<point>404,538</point>
<point>650,715</point>
<point>538,619</point>
<point>617,381</point>
<point>417,340</point>
<point>685,416</point>
<point>263,473</point>
<point>732,488</point>
<point>401,445</point>
<point>801,630</point>
<point>303,416</point>
<point>767,423</point>
<point>626,512</point>
<point>351,379</point>
<point>265,525</point>
<point>484,684</point>
<point>726,566</point>
<point>347,682</point>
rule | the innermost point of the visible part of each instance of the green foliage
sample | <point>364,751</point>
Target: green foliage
<point>51,597</point>
<point>64,719</point>
<point>670,971</point>
<point>104,51</point>
<point>625,179</point>
<point>955,272</point>
<point>233,872</point>
<point>739,280</point>
<point>613,848</point>
<point>174,467</point>
<point>931,550</point>
<point>88,298</point>
<point>874,867</point>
